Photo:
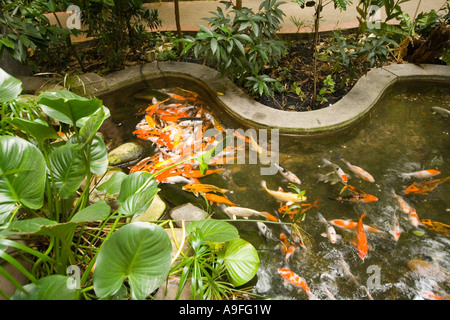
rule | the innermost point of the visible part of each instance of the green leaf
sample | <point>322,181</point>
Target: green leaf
<point>112,186</point>
<point>67,107</point>
<point>214,230</point>
<point>10,87</point>
<point>98,211</point>
<point>213,45</point>
<point>90,126</point>
<point>99,156</point>
<point>37,128</point>
<point>139,252</point>
<point>22,174</point>
<point>54,287</point>
<point>241,261</point>
<point>136,193</point>
<point>68,168</point>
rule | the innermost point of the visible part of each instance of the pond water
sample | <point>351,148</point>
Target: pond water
<point>401,134</point>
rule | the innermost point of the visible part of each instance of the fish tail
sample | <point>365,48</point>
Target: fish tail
<point>316,203</point>
<point>337,156</point>
<point>322,218</point>
<point>263,184</point>
<point>326,162</point>
<point>404,176</point>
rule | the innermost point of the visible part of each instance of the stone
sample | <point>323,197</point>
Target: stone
<point>187,212</point>
<point>179,239</point>
<point>126,152</point>
<point>168,290</point>
<point>153,212</point>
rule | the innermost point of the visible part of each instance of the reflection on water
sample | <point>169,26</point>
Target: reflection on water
<point>401,134</point>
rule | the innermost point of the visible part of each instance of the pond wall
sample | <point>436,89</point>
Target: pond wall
<point>352,107</point>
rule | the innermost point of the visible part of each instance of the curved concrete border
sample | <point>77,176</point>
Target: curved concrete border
<point>358,102</point>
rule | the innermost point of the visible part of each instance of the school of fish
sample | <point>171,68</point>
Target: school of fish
<point>176,127</point>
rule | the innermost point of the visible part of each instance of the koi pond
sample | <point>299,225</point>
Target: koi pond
<point>402,134</point>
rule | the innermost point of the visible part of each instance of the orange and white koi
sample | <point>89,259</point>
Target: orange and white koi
<point>211,197</point>
<point>361,238</point>
<point>284,196</point>
<point>395,230</point>
<point>296,280</point>
<point>291,210</point>
<point>247,212</point>
<point>420,174</point>
<point>288,175</point>
<point>413,218</point>
<point>349,224</point>
<point>424,187</point>
<point>330,232</point>
<point>197,188</point>
<point>360,172</point>
<point>403,205</point>
<point>340,173</point>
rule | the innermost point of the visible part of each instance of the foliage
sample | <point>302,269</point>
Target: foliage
<point>27,31</point>
<point>218,254</point>
<point>42,201</point>
<point>318,8</point>
<point>118,26</point>
<point>241,46</point>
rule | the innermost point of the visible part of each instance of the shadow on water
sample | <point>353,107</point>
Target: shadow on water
<point>401,134</point>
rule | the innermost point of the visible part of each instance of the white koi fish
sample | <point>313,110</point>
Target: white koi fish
<point>360,172</point>
<point>288,175</point>
<point>330,232</point>
<point>341,174</point>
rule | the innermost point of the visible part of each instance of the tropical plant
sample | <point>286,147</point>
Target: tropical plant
<point>26,29</point>
<point>318,7</point>
<point>220,260</point>
<point>119,26</point>
<point>44,204</point>
<point>241,46</point>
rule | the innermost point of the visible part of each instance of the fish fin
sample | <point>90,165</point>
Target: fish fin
<point>289,203</point>
<point>263,184</point>
<point>326,163</point>
<point>323,234</point>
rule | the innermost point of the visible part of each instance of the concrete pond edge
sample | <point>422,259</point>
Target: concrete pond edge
<point>352,107</point>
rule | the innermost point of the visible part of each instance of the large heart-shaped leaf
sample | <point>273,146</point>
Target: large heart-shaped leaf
<point>69,169</point>
<point>67,107</point>
<point>22,174</point>
<point>136,193</point>
<point>214,230</point>
<point>139,252</point>
<point>241,261</point>
<point>10,87</point>
<point>54,287</point>
<point>99,156</point>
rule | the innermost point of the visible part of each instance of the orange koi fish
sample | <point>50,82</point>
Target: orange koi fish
<point>420,174</point>
<point>424,187</point>
<point>340,173</point>
<point>361,238</point>
<point>296,280</point>
<point>360,172</point>
<point>356,196</point>
<point>436,226</point>
<point>203,188</point>
<point>432,296</point>
<point>198,174</point>
<point>294,210</point>
<point>211,197</point>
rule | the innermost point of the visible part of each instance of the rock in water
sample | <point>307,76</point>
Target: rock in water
<point>126,152</point>
<point>187,212</point>
<point>154,211</point>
